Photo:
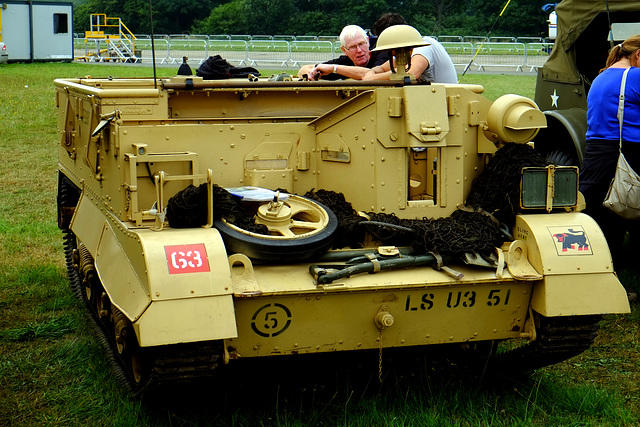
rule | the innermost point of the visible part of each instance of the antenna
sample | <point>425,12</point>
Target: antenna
<point>485,39</point>
<point>153,48</point>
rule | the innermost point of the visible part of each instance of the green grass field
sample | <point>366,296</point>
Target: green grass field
<point>54,373</point>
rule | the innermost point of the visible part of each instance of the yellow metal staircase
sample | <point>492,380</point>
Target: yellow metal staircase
<point>108,39</point>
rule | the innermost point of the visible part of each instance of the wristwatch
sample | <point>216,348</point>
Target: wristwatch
<point>335,68</point>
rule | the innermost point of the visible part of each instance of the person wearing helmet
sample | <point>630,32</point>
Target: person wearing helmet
<point>354,64</point>
<point>429,60</point>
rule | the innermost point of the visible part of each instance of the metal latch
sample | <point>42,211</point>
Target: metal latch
<point>430,128</point>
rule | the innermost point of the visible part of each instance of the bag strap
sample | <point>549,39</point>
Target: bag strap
<point>623,84</point>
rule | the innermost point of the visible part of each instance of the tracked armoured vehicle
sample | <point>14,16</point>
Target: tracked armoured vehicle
<point>208,221</point>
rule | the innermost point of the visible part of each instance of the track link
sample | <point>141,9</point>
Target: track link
<point>558,339</point>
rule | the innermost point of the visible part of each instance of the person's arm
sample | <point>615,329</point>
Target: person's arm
<point>349,71</point>
<point>306,69</point>
<point>379,72</point>
<point>314,72</point>
<point>418,64</point>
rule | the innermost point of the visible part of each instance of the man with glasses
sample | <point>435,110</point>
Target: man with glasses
<point>354,64</point>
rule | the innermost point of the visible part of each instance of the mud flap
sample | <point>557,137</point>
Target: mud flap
<point>569,295</point>
<point>187,320</point>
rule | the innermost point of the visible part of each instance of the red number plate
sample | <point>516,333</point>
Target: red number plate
<point>187,258</point>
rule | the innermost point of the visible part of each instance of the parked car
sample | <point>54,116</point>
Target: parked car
<point>4,56</point>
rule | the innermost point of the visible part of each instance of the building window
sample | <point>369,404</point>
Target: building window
<point>60,23</point>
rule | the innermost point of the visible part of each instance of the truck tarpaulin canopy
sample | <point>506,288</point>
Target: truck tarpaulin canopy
<point>581,25</point>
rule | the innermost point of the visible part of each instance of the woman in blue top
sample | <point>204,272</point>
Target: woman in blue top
<point>603,138</point>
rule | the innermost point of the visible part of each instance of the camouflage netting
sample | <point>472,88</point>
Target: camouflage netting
<point>188,208</point>
<point>494,199</point>
<point>497,189</point>
<point>451,237</point>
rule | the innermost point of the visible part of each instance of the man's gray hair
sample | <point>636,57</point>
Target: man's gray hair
<point>351,32</point>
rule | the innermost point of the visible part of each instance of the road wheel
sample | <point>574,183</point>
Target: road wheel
<point>127,346</point>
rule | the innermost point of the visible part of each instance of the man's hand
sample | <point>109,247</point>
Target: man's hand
<point>321,70</point>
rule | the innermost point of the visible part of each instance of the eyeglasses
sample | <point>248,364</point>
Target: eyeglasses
<point>363,45</point>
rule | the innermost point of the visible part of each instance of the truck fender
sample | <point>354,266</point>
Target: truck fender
<point>190,287</point>
<point>563,141</point>
<point>574,258</point>
<point>174,285</point>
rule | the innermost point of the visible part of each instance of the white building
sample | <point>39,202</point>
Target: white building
<point>37,30</point>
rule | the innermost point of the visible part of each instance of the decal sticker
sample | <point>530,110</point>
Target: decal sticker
<point>187,258</point>
<point>271,320</point>
<point>571,240</point>
<point>554,99</point>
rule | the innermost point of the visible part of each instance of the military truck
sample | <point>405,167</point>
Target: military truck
<point>209,221</point>
<point>586,30</point>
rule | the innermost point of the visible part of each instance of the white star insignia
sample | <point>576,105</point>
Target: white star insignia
<point>554,99</point>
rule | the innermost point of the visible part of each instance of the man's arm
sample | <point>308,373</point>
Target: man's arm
<point>348,71</point>
<point>313,73</point>
<point>305,69</point>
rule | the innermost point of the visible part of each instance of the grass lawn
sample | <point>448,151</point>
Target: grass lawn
<point>54,373</point>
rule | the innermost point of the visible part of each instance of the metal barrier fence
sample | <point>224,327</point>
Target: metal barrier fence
<point>311,52</point>
<point>506,55</point>
<point>293,52</point>
<point>247,37</point>
<point>268,52</point>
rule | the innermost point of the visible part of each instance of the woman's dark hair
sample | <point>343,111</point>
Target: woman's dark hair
<point>387,20</point>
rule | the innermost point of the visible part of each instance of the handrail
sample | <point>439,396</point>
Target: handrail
<point>99,26</point>
<point>133,37</point>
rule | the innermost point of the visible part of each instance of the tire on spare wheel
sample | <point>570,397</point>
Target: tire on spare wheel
<point>299,229</point>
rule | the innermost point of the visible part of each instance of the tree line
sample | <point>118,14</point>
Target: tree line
<point>317,17</point>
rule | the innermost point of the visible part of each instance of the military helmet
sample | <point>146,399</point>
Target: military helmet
<point>398,36</point>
